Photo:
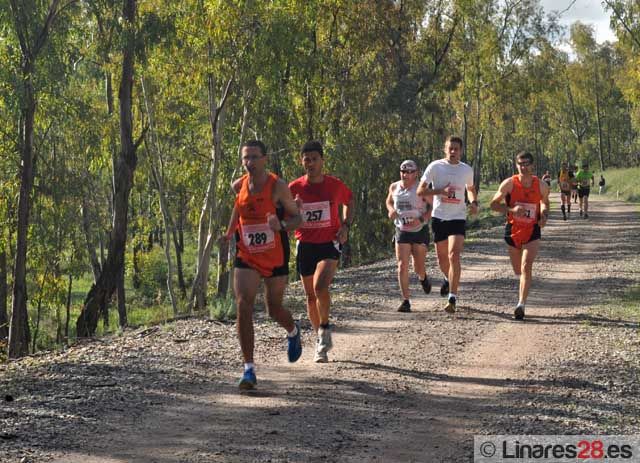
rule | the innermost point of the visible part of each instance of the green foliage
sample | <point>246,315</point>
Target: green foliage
<point>621,183</point>
<point>222,309</point>
<point>152,276</point>
<point>376,82</point>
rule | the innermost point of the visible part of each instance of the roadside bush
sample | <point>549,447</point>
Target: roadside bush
<point>222,309</point>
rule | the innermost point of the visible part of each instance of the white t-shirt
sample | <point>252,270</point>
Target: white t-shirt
<point>440,172</point>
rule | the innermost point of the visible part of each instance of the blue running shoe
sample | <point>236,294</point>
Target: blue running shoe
<point>294,348</point>
<point>248,380</point>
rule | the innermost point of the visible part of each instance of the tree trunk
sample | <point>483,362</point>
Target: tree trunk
<point>477,163</point>
<point>223,270</point>
<point>122,306</point>
<point>125,166</point>
<point>205,224</point>
<point>4,320</point>
<point>600,141</point>
<point>68,309</point>
<point>156,169</point>
<point>226,253</point>
<point>19,334</point>
<point>36,328</point>
<point>91,245</point>
<point>179,270</point>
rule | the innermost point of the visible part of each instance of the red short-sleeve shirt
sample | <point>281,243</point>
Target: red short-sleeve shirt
<point>320,201</point>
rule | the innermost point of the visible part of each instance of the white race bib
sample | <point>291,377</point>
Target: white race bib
<point>316,215</point>
<point>258,237</point>
<point>529,216</point>
<point>408,219</point>
<point>454,196</point>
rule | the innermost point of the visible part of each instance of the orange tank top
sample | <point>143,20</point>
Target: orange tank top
<point>529,198</point>
<point>258,245</point>
<point>564,180</point>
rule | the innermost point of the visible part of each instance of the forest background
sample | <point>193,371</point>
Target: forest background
<point>122,122</point>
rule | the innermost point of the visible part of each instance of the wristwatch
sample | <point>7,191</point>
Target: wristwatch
<point>283,224</point>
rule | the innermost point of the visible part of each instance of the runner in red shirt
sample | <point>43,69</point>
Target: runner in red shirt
<point>320,237</point>
<point>258,222</point>
<point>525,201</point>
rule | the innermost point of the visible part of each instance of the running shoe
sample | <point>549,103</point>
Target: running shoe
<point>294,345</point>
<point>580,212</point>
<point>518,314</point>
<point>320,357</point>
<point>405,306</point>
<point>426,285</point>
<point>444,289</point>
<point>248,380</point>
<point>451,305</point>
<point>324,339</point>
<point>586,216</point>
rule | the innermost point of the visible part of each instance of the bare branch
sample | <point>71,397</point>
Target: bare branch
<point>623,22</point>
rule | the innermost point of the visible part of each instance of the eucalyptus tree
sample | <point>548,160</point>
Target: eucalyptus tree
<point>32,22</point>
<point>124,169</point>
<point>625,20</point>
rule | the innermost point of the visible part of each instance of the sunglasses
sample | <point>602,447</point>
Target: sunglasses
<point>524,164</point>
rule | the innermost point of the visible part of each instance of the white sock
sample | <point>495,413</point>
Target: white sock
<point>248,366</point>
<point>293,332</point>
<point>452,295</point>
<point>520,304</point>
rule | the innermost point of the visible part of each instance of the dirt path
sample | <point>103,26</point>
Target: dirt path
<point>412,387</point>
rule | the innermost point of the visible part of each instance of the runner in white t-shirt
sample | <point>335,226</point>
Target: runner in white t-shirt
<point>447,179</point>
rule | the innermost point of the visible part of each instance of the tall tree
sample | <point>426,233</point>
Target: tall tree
<point>125,166</point>
<point>32,37</point>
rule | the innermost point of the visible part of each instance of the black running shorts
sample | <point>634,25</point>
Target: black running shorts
<point>276,271</point>
<point>309,254</point>
<point>443,229</point>
<point>584,191</point>
<point>535,235</point>
<point>419,237</point>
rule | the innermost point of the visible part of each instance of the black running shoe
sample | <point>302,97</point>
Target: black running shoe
<point>518,314</point>
<point>426,285</point>
<point>444,289</point>
<point>405,306</point>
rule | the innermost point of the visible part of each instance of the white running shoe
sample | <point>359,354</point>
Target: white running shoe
<point>321,357</point>
<point>325,342</point>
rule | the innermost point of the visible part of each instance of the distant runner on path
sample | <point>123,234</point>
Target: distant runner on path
<point>574,183</point>
<point>525,200</point>
<point>601,184</point>
<point>564,184</point>
<point>258,220</point>
<point>585,181</point>
<point>449,178</point>
<point>410,214</point>
<point>320,237</point>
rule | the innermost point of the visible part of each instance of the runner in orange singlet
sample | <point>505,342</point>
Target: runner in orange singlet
<point>259,224</point>
<point>564,184</point>
<point>525,201</point>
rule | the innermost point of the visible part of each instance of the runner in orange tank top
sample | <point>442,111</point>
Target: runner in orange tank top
<point>263,212</point>
<point>525,201</point>
<point>258,246</point>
